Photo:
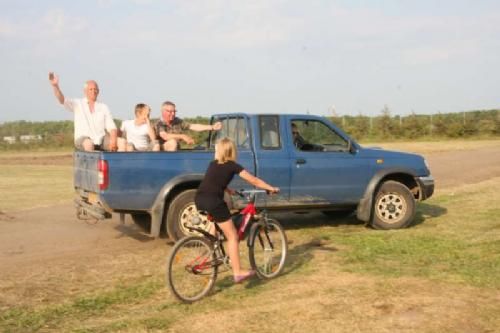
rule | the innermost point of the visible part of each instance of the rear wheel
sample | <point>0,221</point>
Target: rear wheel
<point>393,207</point>
<point>191,272</point>
<point>268,249</point>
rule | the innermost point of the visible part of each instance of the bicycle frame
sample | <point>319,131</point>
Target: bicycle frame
<point>247,213</point>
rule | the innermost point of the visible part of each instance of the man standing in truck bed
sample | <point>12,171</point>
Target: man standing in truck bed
<point>170,128</point>
<point>92,119</point>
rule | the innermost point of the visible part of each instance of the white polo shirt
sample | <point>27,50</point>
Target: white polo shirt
<point>91,124</point>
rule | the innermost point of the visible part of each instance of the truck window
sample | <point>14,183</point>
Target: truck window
<point>234,128</point>
<point>313,135</point>
<point>269,132</point>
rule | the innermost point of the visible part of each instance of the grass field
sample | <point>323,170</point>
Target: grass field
<point>437,276</point>
<point>441,275</point>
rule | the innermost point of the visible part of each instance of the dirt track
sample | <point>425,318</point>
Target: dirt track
<point>32,239</point>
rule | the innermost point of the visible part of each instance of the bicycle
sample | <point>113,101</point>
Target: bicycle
<point>194,262</point>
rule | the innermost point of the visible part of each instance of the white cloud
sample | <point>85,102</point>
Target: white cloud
<point>230,24</point>
<point>57,23</point>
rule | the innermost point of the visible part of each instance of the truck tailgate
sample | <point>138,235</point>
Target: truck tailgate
<point>86,175</point>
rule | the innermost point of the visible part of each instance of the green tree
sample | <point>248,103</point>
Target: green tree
<point>386,127</point>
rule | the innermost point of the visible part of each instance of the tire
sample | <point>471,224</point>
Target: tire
<point>393,206</point>
<point>180,215</point>
<point>268,249</point>
<point>338,214</point>
<point>190,273</point>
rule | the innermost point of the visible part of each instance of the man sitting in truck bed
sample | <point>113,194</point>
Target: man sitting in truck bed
<point>169,128</point>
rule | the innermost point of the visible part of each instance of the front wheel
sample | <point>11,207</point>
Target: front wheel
<point>393,207</point>
<point>268,248</point>
<point>191,269</point>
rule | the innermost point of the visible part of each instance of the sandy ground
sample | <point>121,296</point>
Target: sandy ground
<point>33,239</point>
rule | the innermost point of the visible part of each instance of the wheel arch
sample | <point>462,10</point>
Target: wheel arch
<point>167,193</point>
<point>401,175</point>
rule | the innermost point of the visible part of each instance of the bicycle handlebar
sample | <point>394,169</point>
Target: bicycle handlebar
<point>242,192</point>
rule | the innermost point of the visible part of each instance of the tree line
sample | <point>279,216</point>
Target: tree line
<point>470,124</point>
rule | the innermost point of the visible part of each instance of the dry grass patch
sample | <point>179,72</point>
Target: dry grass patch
<point>425,147</point>
<point>29,186</point>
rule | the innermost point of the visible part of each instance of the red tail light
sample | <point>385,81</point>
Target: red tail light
<point>102,167</point>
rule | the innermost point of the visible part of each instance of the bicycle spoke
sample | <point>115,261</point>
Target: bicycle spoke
<point>191,269</point>
<point>269,249</point>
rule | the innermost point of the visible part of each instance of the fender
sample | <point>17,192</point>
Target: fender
<point>158,209</point>
<point>364,209</point>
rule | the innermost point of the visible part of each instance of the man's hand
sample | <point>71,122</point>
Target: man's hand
<point>187,139</point>
<point>113,140</point>
<point>217,126</point>
<point>53,79</point>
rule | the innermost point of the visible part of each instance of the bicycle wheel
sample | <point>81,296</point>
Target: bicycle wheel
<point>191,268</point>
<point>268,249</point>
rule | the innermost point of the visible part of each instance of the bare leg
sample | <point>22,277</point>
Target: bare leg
<point>130,147</point>
<point>122,143</point>
<point>232,246</point>
<point>170,145</point>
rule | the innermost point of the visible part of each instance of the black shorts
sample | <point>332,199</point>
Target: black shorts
<point>214,206</point>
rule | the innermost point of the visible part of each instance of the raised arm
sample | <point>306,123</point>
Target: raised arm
<point>54,81</point>
<point>258,182</point>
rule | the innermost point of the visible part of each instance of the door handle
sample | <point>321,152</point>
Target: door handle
<point>300,161</point>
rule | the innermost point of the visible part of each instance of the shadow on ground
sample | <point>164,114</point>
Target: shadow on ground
<point>425,211</point>
<point>308,220</point>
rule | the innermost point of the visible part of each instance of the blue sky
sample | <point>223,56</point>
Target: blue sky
<point>353,57</point>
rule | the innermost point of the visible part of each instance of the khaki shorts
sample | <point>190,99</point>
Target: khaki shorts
<point>150,146</point>
<point>103,146</point>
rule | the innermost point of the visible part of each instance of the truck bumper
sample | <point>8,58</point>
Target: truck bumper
<point>426,185</point>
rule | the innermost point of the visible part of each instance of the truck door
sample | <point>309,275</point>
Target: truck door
<point>323,170</point>
<point>271,157</point>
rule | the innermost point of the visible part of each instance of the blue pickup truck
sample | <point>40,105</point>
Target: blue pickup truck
<point>315,164</point>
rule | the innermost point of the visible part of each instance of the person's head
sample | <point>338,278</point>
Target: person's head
<point>295,130</point>
<point>142,111</point>
<point>168,112</point>
<point>225,150</point>
<point>91,90</point>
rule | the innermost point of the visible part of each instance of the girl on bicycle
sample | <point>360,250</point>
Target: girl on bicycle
<point>210,198</point>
